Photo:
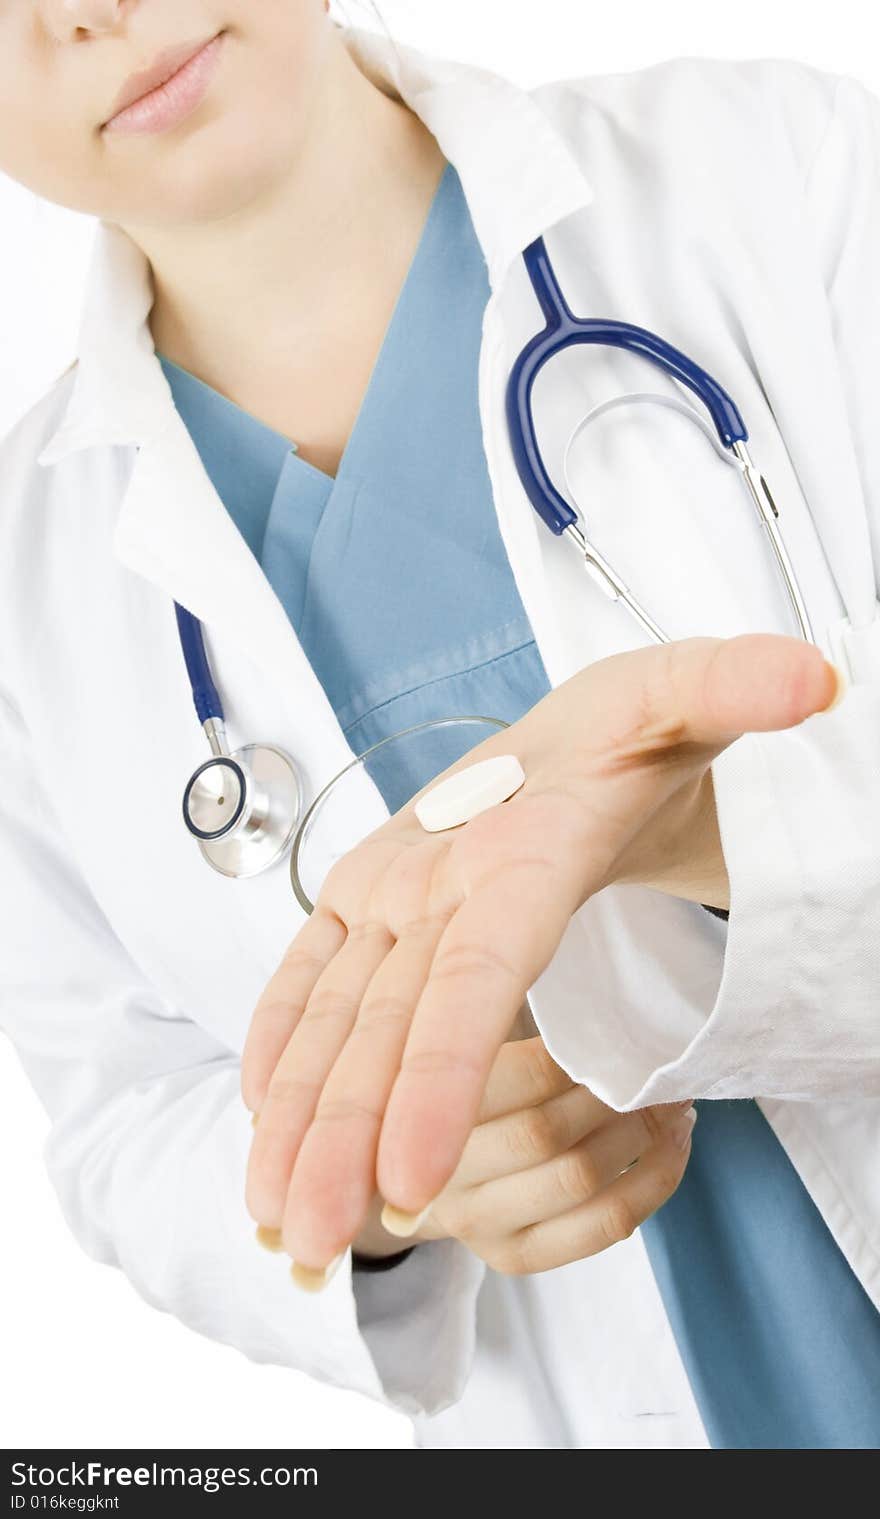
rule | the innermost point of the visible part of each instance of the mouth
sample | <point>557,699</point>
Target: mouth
<point>173,87</point>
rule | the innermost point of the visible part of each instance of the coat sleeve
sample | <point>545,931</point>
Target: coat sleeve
<point>796,1011</point>
<point>149,1140</point>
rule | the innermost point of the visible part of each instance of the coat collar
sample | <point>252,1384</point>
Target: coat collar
<point>518,174</point>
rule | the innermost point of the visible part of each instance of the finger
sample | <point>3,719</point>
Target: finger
<point>494,948</point>
<point>524,1140</point>
<point>283,1001</point>
<point>334,1179</point>
<point>575,1176</point>
<point>606,1219</point>
<point>297,1081</point>
<point>523,1074</point>
<point>703,693</point>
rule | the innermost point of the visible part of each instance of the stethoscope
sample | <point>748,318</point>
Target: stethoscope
<point>243,806</point>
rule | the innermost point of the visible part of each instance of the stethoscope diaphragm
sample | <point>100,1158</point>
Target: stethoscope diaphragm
<point>243,808</point>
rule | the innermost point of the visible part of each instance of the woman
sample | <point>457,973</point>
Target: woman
<point>287,415</point>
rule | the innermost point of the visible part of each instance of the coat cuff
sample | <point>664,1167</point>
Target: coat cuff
<point>794,1014</point>
<point>419,1324</point>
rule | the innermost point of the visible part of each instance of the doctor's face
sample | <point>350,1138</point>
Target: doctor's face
<point>86,121</point>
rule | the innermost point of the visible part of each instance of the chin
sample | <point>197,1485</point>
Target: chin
<point>219,169</point>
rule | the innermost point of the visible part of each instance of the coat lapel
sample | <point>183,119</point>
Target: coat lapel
<point>173,529</point>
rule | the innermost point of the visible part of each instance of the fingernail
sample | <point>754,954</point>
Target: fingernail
<point>683,1128</point>
<point>402,1224</point>
<point>269,1239</point>
<point>686,1102</point>
<point>309,1280</point>
<point>255,1118</point>
<point>842,688</point>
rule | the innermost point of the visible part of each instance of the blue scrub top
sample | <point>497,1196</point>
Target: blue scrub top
<point>396,581</point>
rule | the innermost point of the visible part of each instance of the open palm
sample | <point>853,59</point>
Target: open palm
<point>370,1049</point>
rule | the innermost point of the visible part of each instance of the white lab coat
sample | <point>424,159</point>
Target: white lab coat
<point>735,209</point>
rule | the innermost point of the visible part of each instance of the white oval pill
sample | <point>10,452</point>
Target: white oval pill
<point>469,792</point>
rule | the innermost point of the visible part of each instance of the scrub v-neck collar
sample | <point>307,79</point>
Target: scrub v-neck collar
<point>272,458</point>
<point>372,396</point>
<point>277,499</point>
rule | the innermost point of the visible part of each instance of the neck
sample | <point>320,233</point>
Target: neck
<point>291,272</point>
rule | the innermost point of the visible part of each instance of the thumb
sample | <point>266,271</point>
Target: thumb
<point>693,698</point>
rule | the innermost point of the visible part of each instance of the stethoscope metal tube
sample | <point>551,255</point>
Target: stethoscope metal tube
<point>769,516</point>
<point>608,580</point>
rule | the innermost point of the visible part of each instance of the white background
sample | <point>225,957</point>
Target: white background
<point>84,1361</point>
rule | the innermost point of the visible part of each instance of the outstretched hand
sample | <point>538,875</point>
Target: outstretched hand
<point>370,1048</point>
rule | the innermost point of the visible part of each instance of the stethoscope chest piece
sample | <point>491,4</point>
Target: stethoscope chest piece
<point>243,808</point>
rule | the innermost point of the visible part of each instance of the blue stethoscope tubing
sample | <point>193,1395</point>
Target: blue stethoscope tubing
<point>563,330</point>
<point>206,697</point>
<point>243,807</point>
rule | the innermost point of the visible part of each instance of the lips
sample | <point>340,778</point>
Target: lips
<point>165,66</point>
